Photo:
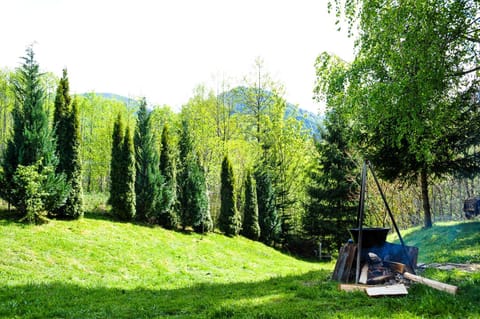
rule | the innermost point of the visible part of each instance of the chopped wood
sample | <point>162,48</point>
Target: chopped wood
<point>398,267</point>
<point>395,266</point>
<point>344,262</point>
<point>363,275</point>
<point>392,290</point>
<point>403,269</point>
<point>352,287</point>
<point>432,283</point>
<point>379,279</point>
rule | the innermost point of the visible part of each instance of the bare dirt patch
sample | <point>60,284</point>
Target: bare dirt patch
<point>452,266</point>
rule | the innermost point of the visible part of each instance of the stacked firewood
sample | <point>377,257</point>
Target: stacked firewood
<point>382,277</point>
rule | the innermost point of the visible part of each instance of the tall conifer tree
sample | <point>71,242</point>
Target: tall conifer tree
<point>67,130</point>
<point>201,218</point>
<point>229,220</point>
<point>267,213</point>
<point>184,196</point>
<point>333,192</point>
<point>148,180</point>
<point>193,198</point>
<point>115,163</point>
<point>250,227</point>
<point>168,217</point>
<point>125,207</point>
<point>32,145</point>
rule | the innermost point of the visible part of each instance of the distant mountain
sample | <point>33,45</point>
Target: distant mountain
<point>310,120</point>
<point>112,96</point>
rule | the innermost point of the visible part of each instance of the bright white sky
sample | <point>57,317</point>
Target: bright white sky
<point>163,49</point>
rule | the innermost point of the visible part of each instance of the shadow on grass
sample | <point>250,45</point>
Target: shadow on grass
<point>9,217</point>
<point>309,295</point>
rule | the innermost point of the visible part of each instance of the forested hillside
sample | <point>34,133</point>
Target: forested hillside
<point>245,161</point>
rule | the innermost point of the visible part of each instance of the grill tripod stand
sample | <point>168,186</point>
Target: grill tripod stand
<point>361,208</point>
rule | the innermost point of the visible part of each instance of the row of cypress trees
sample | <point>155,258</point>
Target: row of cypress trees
<point>158,191</point>
<point>42,174</point>
<point>142,181</point>
<point>41,165</point>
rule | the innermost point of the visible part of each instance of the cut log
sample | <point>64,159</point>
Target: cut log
<point>393,290</point>
<point>402,269</point>
<point>432,283</point>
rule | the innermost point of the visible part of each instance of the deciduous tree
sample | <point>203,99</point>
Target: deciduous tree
<point>414,88</point>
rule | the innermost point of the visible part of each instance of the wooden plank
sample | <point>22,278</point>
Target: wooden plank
<point>363,275</point>
<point>344,262</point>
<point>352,250</point>
<point>340,264</point>
<point>393,290</point>
<point>352,287</point>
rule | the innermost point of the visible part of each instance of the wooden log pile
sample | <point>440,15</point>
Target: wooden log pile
<point>380,275</point>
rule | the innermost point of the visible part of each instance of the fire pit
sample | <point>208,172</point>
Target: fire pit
<point>371,237</point>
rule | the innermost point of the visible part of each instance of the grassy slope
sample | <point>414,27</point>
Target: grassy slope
<point>456,242</point>
<point>95,268</point>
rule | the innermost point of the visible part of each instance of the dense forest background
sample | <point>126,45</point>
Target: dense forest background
<point>255,134</point>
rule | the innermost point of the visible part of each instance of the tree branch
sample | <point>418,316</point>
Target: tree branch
<point>461,73</point>
<point>471,39</point>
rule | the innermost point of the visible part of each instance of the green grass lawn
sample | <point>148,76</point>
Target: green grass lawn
<point>96,268</point>
<point>455,242</point>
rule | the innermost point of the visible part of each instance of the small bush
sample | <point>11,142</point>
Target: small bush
<point>38,191</point>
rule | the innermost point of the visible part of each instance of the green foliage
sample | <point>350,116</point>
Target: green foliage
<point>193,199</point>
<point>281,144</point>
<point>38,190</point>
<point>167,215</point>
<point>199,204</point>
<point>184,176</point>
<point>267,212</point>
<point>333,190</point>
<point>28,189</point>
<point>126,209</point>
<point>67,132</point>
<point>116,169</point>
<point>61,116</point>
<point>74,204</point>
<point>148,181</point>
<point>250,226</point>
<point>229,220</point>
<point>7,98</point>
<point>413,90</point>
<point>97,118</point>
<point>202,115</point>
<point>122,188</point>
<point>32,143</point>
